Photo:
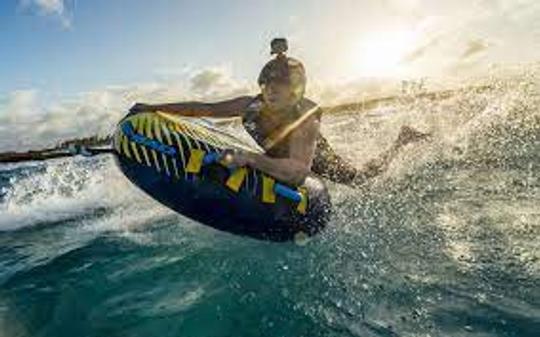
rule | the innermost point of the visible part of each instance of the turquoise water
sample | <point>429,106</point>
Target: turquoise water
<point>446,243</point>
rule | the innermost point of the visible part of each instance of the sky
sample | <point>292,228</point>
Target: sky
<point>76,45</point>
<point>107,54</point>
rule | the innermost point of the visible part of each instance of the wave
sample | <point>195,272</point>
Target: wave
<point>445,242</point>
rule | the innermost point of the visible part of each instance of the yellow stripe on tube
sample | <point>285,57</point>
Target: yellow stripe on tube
<point>302,205</point>
<point>212,139</point>
<point>140,129</point>
<point>186,131</point>
<point>141,118</point>
<point>180,152</point>
<point>148,133</point>
<point>235,180</point>
<point>135,152</point>
<point>175,167</point>
<point>167,132</point>
<point>195,161</point>
<point>148,127</point>
<point>157,130</point>
<point>125,146</point>
<point>182,133</point>
<point>134,145</point>
<point>268,194</point>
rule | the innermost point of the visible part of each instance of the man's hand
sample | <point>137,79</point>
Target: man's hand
<point>235,159</point>
<point>141,107</point>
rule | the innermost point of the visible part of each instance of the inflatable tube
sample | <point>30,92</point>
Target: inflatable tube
<point>177,162</point>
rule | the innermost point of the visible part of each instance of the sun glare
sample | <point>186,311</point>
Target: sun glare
<point>381,54</point>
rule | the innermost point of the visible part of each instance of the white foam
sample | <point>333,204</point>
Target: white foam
<point>66,189</point>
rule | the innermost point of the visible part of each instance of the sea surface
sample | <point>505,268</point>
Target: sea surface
<point>445,243</point>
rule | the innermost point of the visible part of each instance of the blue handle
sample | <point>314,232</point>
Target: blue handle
<point>133,136</point>
<point>287,192</point>
<point>211,157</point>
<point>279,189</point>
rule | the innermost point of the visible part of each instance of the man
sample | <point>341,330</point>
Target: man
<point>286,125</point>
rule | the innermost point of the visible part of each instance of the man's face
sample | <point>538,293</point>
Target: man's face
<point>278,96</point>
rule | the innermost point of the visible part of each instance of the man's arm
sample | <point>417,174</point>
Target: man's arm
<point>229,108</point>
<point>297,166</point>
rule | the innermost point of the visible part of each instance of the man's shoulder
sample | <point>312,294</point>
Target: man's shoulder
<point>308,106</point>
<point>310,124</point>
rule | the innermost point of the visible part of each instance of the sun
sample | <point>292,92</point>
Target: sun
<point>381,54</point>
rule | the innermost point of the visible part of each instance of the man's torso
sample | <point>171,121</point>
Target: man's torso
<point>260,123</point>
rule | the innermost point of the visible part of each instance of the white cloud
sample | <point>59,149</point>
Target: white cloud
<point>56,8</point>
<point>22,107</point>
<point>28,121</point>
<point>51,6</point>
<point>217,83</point>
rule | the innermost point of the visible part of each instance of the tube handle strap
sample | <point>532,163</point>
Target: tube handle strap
<point>195,161</point>
<point>268,193</point>
<point>235,180</point>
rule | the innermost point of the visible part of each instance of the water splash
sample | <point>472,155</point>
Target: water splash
<point>444,243</point>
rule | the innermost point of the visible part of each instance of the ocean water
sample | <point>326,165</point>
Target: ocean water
<point>445,243</point>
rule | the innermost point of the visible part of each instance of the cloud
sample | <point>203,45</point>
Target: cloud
<point>421,51</point>
<point>206,79</point>
<point>474,47</point>
<point>51,6</point>
<point>31,120</point>
<point>22,107</point>
<point>56,8</point>
<point>216,83</point>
